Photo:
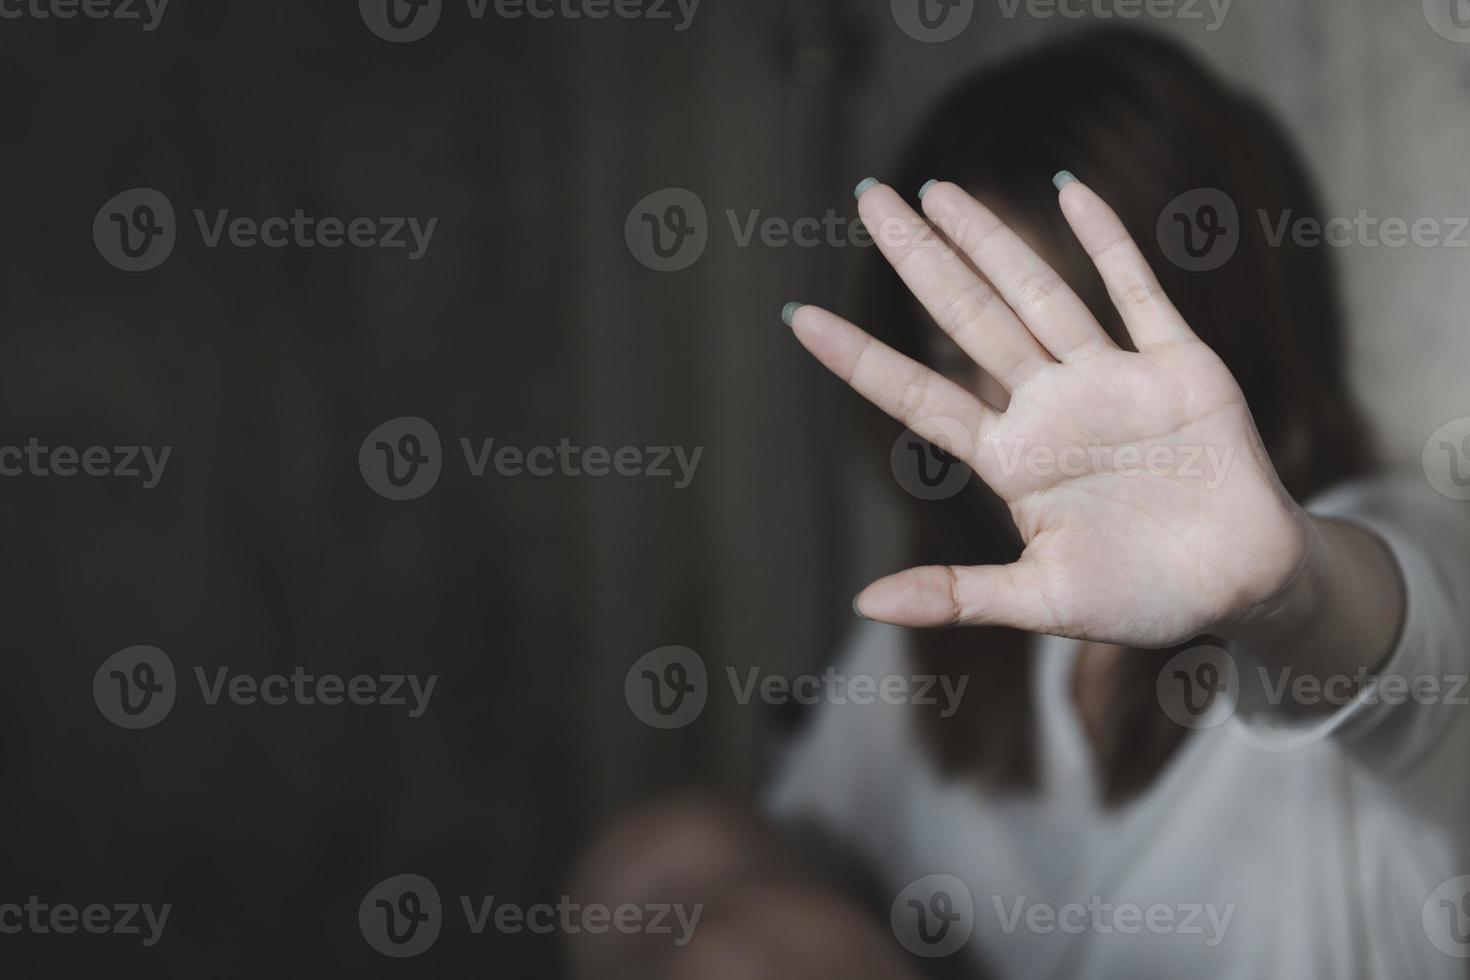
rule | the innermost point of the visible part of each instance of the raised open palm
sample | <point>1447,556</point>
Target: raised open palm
<point>1150,511</point>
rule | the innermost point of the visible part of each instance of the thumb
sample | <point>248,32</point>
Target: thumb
<point>958,595</point>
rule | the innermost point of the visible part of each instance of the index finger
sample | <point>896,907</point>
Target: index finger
<point>923,400</point>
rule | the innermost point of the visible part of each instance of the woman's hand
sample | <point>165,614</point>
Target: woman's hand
<point>1149,509</point>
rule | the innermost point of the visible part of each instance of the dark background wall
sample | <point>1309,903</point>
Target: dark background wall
<point>528,320</point>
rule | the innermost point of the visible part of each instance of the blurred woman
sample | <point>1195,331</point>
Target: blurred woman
<point>1176,597</point>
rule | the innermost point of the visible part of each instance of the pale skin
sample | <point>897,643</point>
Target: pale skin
<point>1117,553</point>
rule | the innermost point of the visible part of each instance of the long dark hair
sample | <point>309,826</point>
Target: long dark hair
<point>1142,122</point>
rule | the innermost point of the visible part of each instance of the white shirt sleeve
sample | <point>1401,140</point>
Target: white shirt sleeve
<point>1407,708</point>
<point>842,768</point>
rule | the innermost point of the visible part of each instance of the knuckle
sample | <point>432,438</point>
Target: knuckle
<point>1036,287</point>
<point>967,305</point>
<point>913,245</point>
<point>974,234</point>
<point>912,400</point>
<point>1118,244</point>
<point>859,361</point>
<point>1138,293</point>
<point>957,613</point>
<point>910,255</point>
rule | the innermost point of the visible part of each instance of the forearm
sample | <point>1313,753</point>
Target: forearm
<point>1338,619</point>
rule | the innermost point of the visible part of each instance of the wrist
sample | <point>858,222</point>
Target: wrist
<point>1299,603</point>
<point>1341,614</point>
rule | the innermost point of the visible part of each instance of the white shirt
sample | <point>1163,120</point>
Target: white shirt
<point>1265,848</point>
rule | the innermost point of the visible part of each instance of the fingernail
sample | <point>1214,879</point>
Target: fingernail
<point>1063,178</point>
<point>856,611</point>
<point>863,187</point>
<point>925,189</point>
<point>788,312</point>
